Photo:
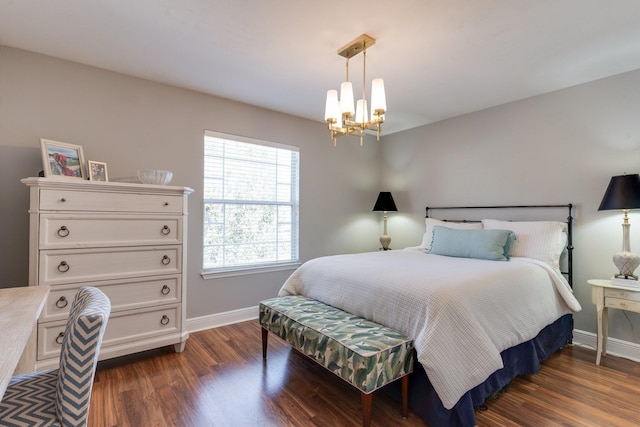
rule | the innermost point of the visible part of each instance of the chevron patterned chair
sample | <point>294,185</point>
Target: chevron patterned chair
<point>61,397</point>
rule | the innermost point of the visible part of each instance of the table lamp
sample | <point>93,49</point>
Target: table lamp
<point>385,204</point>
<point>623,193</point>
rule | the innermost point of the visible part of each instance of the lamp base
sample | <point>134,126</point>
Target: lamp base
<point>626,262</point>
<point>384,241</point>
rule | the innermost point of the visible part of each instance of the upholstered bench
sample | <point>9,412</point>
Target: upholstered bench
<point>363,353</point>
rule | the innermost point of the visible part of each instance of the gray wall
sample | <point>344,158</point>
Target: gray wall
<point>561,147</point>
<point>132,124</point>
<point>556,148</point>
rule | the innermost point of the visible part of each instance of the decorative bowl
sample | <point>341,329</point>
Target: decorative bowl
<point>155,176</point>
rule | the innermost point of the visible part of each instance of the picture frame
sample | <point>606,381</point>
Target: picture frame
<point>62,160</point>
<point>97,171</point>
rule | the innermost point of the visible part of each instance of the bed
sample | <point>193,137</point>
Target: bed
<point>484,301</point>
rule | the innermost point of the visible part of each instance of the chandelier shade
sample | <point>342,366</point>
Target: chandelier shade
<point>332,110</point>
<point>346,99</point>
<point>341,116</point>
<point>378,97</point>
<point>361,111</point>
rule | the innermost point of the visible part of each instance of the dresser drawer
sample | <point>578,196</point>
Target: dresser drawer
<point>94,201</point>
<point>621,293</point>
<point>623,304</point>
<point>88,265</point>
<point>69,231</point>
<point>123,294</point>
<point>122,327</point>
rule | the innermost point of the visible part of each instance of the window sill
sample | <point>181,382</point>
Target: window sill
<point>243,271</point>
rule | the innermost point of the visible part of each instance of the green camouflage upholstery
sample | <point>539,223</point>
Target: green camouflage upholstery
<point>364,353</point>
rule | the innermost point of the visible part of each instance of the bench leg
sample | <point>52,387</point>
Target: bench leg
<point>265,336</point>
<point>404,387</point>
<point>366,408</point>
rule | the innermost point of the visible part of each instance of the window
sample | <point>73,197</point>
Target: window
<point>250,203</point>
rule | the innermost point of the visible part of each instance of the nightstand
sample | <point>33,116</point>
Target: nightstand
<point>605,295</point>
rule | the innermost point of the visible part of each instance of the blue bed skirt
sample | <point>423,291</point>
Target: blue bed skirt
<point>522,359</point>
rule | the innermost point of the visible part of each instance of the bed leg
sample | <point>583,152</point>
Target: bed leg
<point>366,408</point>
<point>265,336</point>
<point>404,387</point>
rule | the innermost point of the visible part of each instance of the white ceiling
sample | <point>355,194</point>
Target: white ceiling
<point>439,58</point>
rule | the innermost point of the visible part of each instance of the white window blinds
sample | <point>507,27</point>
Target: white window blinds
<point>250,202</point>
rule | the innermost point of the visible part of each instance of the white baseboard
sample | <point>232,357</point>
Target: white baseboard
<point>615,347</point>
<point>221,319</point>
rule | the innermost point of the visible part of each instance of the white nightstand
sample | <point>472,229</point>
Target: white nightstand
<point>605,295</point>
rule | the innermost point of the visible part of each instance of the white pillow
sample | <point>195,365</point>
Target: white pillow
<point>431,222</point>
<point>541,240</point>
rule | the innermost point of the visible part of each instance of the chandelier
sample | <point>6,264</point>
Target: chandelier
<point>340,115</point>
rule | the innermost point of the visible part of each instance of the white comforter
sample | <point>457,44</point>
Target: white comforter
<point>461,313</point>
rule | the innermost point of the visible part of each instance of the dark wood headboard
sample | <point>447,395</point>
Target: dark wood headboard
<point>569,220</point>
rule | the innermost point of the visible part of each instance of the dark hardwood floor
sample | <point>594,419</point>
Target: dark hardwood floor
<point>221,380</point>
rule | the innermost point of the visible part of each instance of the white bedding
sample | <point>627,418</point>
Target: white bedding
<point>461,313</point>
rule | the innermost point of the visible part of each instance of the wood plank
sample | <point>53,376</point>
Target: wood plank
<point>221,380</point>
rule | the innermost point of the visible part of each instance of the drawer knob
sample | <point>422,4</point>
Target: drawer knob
<point>63,267</point>
<point>63,200</point>
<point>165,260</point>
<point>60,338</point>
<point>165,320</point>
<point>63,231</point>
<point>165,230</point>
<point>62,302</point>
<point>166,203</point>
<point>165,290</point>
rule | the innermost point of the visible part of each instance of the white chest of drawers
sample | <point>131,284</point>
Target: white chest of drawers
<point>127,239</point>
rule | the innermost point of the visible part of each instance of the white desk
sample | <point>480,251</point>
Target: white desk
<point>19,311</point>
<point>605,295</point>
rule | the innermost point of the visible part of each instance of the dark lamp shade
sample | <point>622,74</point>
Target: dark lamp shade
<point>623,192</point>
<point>385,202</point>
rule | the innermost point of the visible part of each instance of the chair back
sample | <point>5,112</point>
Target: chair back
<point>79,355</point>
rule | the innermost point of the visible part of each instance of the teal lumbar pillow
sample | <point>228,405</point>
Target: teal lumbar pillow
<point>480,244</point>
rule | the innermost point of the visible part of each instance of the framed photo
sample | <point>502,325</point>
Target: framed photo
<point>97,171</point>
<point>62,160</point>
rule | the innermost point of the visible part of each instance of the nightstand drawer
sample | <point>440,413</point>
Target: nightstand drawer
<point>623,304</point>
<point>622,294</point>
